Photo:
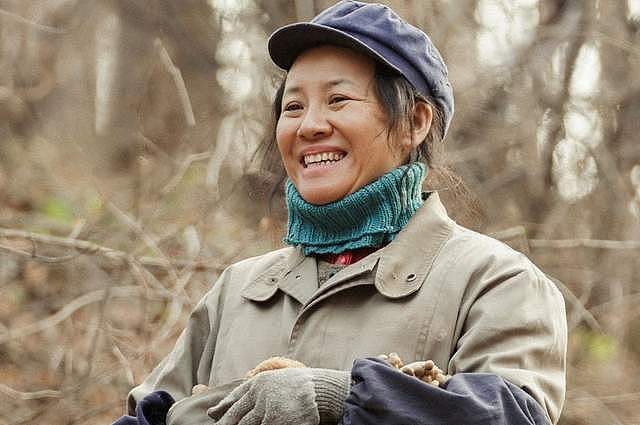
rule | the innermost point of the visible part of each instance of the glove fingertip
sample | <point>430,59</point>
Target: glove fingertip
<point>215,413</point>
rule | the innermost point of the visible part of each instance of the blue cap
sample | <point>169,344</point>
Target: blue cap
<point>376,31</point>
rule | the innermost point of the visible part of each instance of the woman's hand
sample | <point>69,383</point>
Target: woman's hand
<point>273,363</point>
<point>199,389</point>
<point>289,396</point>
<point>426,370</point>
<point>283,396</point>
<point>256,400</point>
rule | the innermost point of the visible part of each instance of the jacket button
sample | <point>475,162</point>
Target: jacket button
<point>411,277</point>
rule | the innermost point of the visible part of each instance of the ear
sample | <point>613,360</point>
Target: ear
<point>422,118</point>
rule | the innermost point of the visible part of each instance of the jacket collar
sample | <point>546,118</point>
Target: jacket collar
<point>400,267</point>
<point>407,260</point>
<point>290,262</point>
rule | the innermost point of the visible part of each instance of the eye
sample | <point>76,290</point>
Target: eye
<point>337,99</point>
<point>292,106</point>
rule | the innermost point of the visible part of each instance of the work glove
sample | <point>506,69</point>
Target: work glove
<point>291,396</point>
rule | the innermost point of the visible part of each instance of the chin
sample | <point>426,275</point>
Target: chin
<point>320,197</point>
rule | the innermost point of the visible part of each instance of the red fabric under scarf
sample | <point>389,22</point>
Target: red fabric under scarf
<point>347,257</point>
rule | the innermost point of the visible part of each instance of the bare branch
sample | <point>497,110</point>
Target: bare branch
<point>175,180</point>
<point>617,398</point>
<point>84,247</point>
<point>520,231</point>
<point>41,27</point>
<point>510,233</point>
<point>478,151</point>
<point>175,307</point>
<point>305,9</point>
<point>623,45</point>
<point>31,395</point>
<point>583,243</point>
<point>89,248</point>
<point>590,398</point>
<point>581,314</point>
<point>124,362</point>
<point>77,228</point>
<point>606,307</point>
<point>134,225</point>
<point>178,81</point>
<point>43,258</point>
<point>69,309</point>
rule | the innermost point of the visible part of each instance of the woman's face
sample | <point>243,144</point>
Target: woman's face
<point>332,132</point>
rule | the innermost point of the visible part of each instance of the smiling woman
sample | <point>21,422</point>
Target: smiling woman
<point>330,109</point>
<point>374,264</point>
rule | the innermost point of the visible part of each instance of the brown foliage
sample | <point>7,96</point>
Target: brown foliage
<point>126,178</point>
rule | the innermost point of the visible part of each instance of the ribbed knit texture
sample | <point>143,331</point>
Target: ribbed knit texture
<point>332,389</point>
<point>370,217</point>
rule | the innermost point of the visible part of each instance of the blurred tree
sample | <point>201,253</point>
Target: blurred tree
<point>132,124</point>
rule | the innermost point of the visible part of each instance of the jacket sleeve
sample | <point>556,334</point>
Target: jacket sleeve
<point>382,395</point>
<point>151,410</point>
<point>189,362</point>
<point>507,360</point>
<point>512,323</point>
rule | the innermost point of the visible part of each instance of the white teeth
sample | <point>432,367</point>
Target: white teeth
<point>324,157</point>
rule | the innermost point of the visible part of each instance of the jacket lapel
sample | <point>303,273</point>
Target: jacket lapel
<point>301,282</point>
<point>407,260</point>
<point>293,273</point>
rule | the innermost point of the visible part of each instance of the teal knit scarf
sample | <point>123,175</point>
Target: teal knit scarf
<point>370,217</point>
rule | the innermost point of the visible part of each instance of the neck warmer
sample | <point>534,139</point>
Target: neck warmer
<point>368,218</point>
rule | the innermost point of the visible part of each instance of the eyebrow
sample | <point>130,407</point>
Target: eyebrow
<point>331,83</point>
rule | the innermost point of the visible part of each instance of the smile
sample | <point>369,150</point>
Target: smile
<point>320,159</point>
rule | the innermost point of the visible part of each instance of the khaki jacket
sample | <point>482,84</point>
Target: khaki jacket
<point>438,291</point>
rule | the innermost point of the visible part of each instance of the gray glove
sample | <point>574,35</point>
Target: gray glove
<point>292,396</point>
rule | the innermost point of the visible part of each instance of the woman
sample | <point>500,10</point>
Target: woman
<point>374,265</point>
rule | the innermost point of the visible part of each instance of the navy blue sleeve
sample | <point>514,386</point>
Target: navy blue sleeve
<point>151,410</point>
<point>382,395</point>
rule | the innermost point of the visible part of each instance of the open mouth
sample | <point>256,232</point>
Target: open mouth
<point>322,159</point>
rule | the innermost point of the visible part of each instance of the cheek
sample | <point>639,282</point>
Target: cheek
<point>381,155</point>
<point>285,134</point>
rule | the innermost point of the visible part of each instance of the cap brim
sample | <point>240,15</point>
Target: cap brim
<point>289,41</point>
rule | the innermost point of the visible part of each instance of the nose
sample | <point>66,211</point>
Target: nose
<point>314,124</point>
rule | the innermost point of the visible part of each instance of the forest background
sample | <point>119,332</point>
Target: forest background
<point>128,181</point>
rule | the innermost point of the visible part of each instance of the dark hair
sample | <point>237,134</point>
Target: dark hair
<point>398,99</point>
